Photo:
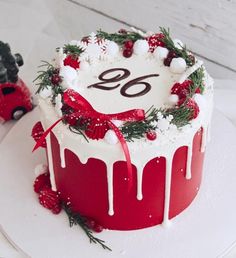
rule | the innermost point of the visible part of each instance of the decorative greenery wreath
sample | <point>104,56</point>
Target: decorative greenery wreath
<point>180,114</point>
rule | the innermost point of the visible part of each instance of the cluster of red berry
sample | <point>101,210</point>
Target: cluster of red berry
<point>51,200</point>
<point>154,41</point>
<point>183,90</point>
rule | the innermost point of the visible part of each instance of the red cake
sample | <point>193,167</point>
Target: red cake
<point>125,118</point>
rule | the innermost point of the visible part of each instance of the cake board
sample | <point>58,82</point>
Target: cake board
<point>205,229</point>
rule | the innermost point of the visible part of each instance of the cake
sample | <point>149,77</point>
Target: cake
<point>126,119</point>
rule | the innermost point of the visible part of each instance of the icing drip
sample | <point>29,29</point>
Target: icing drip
<point>140,169</point>
<point>50,163</point>
<point>169,159</point>
<point>189,161</point>
<point>204,138</point>
<point>110,188</point>
<point>62,156</point>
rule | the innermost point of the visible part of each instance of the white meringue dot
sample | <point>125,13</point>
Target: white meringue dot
<point>140,47</point>
<point>110,137</point>
<point>161,53</point>
<point>178,65</point>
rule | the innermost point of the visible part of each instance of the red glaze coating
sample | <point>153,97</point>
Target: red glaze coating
<point>86,186</point>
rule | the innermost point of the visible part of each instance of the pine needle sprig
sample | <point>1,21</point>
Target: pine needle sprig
<point>169,43</point>
<point>44,76</point>
<point>72,50</point>
<point>136,130</point>
<point>197,79</point>
<point>119,38</point>
<point>77,219</point>
<point>181,115</point>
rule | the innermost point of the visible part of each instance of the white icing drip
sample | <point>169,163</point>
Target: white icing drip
<point>110,188</point>
<point>188,174</point>
<point>83,159</point>
<point>62,156</point>
<point>140,169</point>
<point>169,159</point>
<point>204,138</point>
<point>50,163</point>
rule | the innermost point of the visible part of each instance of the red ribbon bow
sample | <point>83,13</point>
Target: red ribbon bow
<point>84,109</point>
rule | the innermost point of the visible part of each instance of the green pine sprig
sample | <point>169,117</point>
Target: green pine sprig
<point>77,219</point>
<point>169,43</point>
<point>119,38</point>
<point>72,50</point>
<point>44,80</point>
<point>197,79</point>
<point>137,129</point>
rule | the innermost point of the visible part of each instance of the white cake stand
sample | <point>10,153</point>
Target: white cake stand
<point>206,229</point>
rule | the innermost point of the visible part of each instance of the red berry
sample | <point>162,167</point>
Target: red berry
<point>56,209</point>
<point>128,44</point>
<point>92,224</point>
<point>167,61</point>
<point>151,135</point>
<point>98,228</point>
<point>127,53</point>
<point>198,90</point>
<point>72,62</point>
<point>56,79</point>
<point>172,54</point>
<point>41,182</point>
<point>50,200</point>
<point>37,133</point>
<point>122,31</point>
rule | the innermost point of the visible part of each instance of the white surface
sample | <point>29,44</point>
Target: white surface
<point>206,229</point>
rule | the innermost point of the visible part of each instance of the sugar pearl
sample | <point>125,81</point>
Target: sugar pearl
<point>178,65</point>
<point>40,169</point>
<point>110,137</point>
<point>140,47</point>
<point>161,53</point>
<point>173,99</point>
<point>45,93</point>
<point>112,49</point>
<point>68,73</point>
<point>178,43</point>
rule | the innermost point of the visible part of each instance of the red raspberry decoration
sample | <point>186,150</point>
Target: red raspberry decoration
<point>96,129</point>
<point>191,104</point>
<point>155,41</point>
<point>151,135</point>
<point>127,52</point>
<point>71,61</point>
<point>182,89</point>
<point>42,182</point>
<point>56,79</point>
<point>92,224</point>
<point>50,200</point>
<point>128,44</point>
<point>37,133</point>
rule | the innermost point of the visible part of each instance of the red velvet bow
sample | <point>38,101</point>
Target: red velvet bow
<point>84,109</point>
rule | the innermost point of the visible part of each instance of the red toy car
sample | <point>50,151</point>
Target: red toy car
<point>15,100</point>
